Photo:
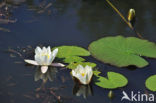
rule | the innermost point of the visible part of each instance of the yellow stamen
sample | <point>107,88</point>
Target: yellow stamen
<point>83,74</point>
<point>46,55</point>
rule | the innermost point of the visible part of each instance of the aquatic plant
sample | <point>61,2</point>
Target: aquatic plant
<point>73,55</point>
<point>129,23</point>
<point>83,74</point>
<point>113,81</point>
<point>151,83</point>
<point>74,65</point>
<point>44,57</point>
<point>72,59</point>
<point>120,51</point>
<point>68,51</point>
<point>131,15</point>
<point>111,94</point>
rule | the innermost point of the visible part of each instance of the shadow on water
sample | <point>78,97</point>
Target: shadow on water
<point>65,22</point>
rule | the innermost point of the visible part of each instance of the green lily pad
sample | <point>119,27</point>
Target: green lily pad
<point>151,83</point>
<point>121,51</point>
<point>72,59</point>
<point>68,51</point>
<point>74,65</point>
<point>96,72</point>
<point>115,80</point>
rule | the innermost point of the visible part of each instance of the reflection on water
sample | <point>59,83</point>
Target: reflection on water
<point>84,90</point>
<point>49,75</point>
<point>66,22</point>
<point>97,17</point>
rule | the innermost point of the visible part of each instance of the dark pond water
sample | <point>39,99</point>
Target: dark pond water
<point>67,22</point>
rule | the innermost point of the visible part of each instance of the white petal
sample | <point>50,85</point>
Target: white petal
<point>44,69</point>
<point>88,67</point>
<point>73,73</point>
<point>37,59</point>
<point>89,73</point>
<point>54,53</point>
<point>33,62</point>
<point>46,61</point>
<point>79,67</point>
<point>49,50</point>
<point>37,50</point>
<point>83,79</point>
<point>58,64</point>
<point>43,60</point>
<point>44,50</point>
<point>77,73</point>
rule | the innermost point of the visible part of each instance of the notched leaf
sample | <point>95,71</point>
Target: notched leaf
<point>122,52</point>
<point>114,80</point>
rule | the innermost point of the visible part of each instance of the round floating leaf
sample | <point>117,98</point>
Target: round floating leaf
<point>66,51</point>
<point>115,80</point>
<point>121,51</point>
<point>72,59</point>
<point>151,83</point>
<point>74,65</point>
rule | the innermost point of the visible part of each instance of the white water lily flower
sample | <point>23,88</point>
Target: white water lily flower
<point>44,57</point>
<point>84,75</point>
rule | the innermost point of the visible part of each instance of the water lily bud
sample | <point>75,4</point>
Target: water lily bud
<point>131,15</point>
<point>110,94</point>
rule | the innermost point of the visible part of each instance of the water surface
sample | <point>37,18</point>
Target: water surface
<point>68,22</point>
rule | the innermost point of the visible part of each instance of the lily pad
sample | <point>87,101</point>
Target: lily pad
<point>68,51</point>
<point>122,52</point>
<point>72,59</point>
<point>96,72</point>
<point>74,65</point>
<point>115,80</point>
<point>151,83</point>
